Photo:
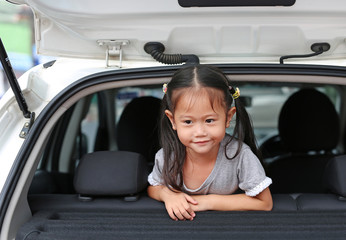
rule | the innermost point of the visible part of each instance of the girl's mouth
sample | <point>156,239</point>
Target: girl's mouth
<point>201,142</point>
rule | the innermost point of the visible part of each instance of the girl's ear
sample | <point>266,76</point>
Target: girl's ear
<point>230,115</point>
<point>169,114</point>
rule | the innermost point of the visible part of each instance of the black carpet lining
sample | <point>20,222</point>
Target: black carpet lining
<point>207,225</point>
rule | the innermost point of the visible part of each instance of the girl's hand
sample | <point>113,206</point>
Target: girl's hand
<point>178,205</point>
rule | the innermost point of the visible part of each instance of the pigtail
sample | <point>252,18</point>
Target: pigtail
<point>243,129</point>
<point>174,151</point>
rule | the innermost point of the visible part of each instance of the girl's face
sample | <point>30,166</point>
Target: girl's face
<point>200,123</point>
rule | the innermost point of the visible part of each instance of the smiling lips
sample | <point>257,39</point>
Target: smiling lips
<point>201,142</point>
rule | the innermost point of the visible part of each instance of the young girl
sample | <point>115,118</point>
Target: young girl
<point>199,165</point>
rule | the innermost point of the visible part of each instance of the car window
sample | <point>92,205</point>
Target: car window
<point>90,123</point>
<point>125,95</point>
<point>264,107</point>
<point>266,102</point>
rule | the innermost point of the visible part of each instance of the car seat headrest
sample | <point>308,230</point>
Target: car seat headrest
<point>138,127</point>
<point>111,173</point>
<point>334,175</point>
<point>308,121</point>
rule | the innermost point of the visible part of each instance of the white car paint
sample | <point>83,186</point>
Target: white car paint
<point>229,34</point>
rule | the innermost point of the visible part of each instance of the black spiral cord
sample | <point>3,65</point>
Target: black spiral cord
<point>156,49</point>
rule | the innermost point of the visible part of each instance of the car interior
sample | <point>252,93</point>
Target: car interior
<point>93,168</point>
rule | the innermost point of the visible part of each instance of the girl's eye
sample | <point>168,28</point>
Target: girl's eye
<point>210,120</point>
<point>187,121</point>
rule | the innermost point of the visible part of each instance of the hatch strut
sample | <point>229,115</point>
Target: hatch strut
<point>6,64</point>
<point>317,48</point>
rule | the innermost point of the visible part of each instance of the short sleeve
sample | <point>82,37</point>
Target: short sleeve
<point>155,177</point>
<point>251,175</point>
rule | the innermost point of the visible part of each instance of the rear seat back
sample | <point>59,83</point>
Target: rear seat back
<point>335,181</point>
<point>140,134</point>
<point>45,182</point>
<point>42,182</point>
<point>335,175</point>
<point>111,173</point>
<point>107,178</point>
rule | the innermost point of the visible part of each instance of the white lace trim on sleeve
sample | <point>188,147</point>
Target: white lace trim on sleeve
<point>152,181</point>
<point>259,188</point>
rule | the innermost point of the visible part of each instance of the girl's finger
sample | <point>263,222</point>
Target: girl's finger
<point>172,215</point>
<point>186,213</point>
<point>179,215</point>
<point>191,199</point>
<point>190,211</point>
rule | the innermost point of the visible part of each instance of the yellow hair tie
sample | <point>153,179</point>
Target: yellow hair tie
<point>164,88</point>
<point>236,94</point>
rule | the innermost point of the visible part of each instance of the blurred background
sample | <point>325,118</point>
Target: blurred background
<point>17,35</point>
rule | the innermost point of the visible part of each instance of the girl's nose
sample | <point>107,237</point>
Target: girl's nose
<point>200,130</point>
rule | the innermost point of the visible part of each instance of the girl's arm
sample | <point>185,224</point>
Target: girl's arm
<point>178,204</point>
<point>235,202</point>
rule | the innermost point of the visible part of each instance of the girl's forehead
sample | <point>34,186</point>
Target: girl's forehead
<point>194,97</point>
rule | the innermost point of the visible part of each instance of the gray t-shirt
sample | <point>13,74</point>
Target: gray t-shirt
<point>244,171</point>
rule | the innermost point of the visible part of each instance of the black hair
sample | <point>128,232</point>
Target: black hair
<point>199,76</point>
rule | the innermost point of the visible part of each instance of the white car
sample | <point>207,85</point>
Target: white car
<point>64,122</point>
